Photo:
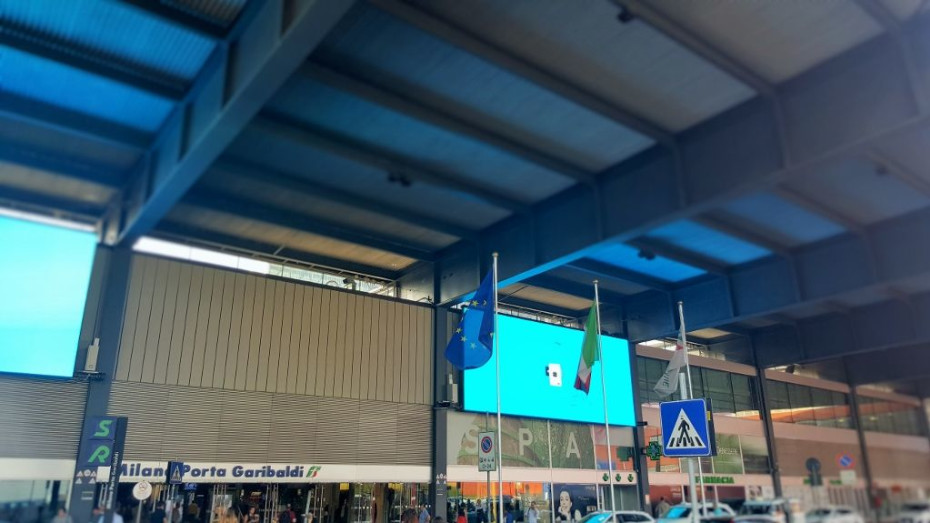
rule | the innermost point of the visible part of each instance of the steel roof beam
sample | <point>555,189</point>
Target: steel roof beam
<point>177,232</point>
<point>678,254</point>
<point>810,205</point>
<point>571,288</point>
<point>251,210</point>
<point>726,226</point>
<point>888,165</point>
<point>473,44</point>
<point>291,183</point>
<point>65,167</point>
<point>819,274</point>
<point>648,14</point>
<point>113,68</point>
<point>605,271</point>
<point>201,25</point>
<point>299,132</point>
<point>73,122</point>
<point>266,46</point>
<point>420,110</point>
<point>49,203</point>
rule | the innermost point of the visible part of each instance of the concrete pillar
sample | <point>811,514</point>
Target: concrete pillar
<point>640,462</point>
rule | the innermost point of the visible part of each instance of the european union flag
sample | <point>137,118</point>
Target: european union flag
<point>471,343</point>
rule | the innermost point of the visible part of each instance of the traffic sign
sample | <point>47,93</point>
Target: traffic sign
<point>142,490</point>
<point>686,428</point>
<point>812,464</point>
<point>175,472</point>
<point>487,454</point>
<point>845,460</point>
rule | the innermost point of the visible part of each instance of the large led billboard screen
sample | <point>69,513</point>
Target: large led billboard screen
<point>44,277</point>
<point>539,362</point>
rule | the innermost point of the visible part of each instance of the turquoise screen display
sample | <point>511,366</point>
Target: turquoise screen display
<point>539,362</point>
<point>44,276</point>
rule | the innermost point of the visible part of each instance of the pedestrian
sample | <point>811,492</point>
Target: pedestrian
<point>532,513</point>
<point>62,516</point>
<point>176,514</point>
<point>424,514</point>
<point>508,514</point>
<point>117,517</point>
<point>461,516</point>
<point>481,516</point>
<point>409,516</point>
<point>288,515</point>
<point>662,507</point>
<point>159,515</point>
<point>252,516</point>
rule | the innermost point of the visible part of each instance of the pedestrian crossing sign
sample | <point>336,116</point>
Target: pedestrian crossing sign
<point>687,429</point>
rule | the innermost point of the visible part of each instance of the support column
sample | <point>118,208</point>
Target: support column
<point>114,264</point>
<point>863,447</point>
<point>765,414</point>
<point>640,462</point>
<point>441,407</point>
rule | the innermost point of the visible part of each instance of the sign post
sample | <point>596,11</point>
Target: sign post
<point>687,432</point>
<point>141,491</point>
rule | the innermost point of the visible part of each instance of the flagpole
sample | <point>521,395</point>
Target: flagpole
<point>500,439</point>
<point>600,353</point>
<point>690,390</point>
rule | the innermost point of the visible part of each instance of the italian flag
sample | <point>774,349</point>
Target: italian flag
<point>589,352</point>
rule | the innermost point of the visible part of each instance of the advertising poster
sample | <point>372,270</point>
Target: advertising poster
<point>728,459</point>
<point>755,454</point>
<point>573,502</point>
<point>525,441</point>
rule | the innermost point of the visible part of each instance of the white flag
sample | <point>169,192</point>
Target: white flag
<point>668,383</point>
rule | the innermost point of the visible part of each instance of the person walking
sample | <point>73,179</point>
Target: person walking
<point>252,516</point>
<point>662,507</point>
<point>159,515</point>
<point>62,516</point>
<point>508,513</point>
<point>287,515</point>
<point>461,516</point>
<point>532,513</point>
<point>424,514</point>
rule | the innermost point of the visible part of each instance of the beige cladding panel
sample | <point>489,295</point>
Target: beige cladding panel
<point>197,424</point>
<point>196,326</point>
<point>41,417</point>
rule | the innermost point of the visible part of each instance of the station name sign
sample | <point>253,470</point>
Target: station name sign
<point>220,472</point>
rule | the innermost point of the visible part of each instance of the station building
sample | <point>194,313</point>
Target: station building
<point>247,227</point>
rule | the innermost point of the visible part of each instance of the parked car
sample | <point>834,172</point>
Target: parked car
<point>623,516</point>
<point>833,514</point>
<point>778,510</point>
<point>682,513</point>
<point>918,512</point>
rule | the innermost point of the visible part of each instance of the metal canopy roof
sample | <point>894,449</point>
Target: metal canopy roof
<point>764,162</point>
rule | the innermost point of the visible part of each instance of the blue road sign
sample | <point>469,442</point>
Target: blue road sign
<point>686,431</point>
<point>175,472</point>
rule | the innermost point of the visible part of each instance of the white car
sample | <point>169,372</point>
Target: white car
<point>915,512</point>
<point>777,510</point>
<point>833,514</point>
<point>623,516</point>
<point>682,513</point>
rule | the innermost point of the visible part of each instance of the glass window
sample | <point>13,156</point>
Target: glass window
<point>718,389</point>
<point>824,411</point>
<point>744,397</point>
<point>779,406</point>
<point>841,409</point>
<point>801,404</point>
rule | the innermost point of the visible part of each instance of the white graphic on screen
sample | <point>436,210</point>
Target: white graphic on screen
<point>554,371</point>
<point>683,435</point>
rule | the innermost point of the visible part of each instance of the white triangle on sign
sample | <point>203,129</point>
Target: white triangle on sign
<point>92,481</point>
<point>78,481</point>
<point>93,474</point>
<point>683,435</point>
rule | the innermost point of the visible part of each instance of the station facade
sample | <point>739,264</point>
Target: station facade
<point>340,403</point>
